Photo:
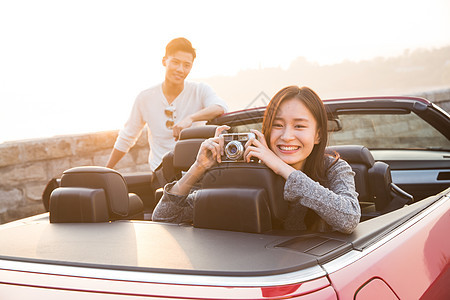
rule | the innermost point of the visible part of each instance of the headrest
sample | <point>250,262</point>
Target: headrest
<point>353,154</point>
<point>250,175</point>
<point>186,148</point>
<point>202,132</point>
<point>76,204</point>
<point>185,153</point>
<point>238,209</point>
<point>109,180</point>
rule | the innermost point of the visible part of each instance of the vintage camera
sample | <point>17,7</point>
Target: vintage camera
<point>234,146</point>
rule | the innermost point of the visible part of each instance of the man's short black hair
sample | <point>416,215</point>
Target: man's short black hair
<point>180,44</point>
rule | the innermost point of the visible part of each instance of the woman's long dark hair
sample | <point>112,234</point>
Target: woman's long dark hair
<point>315,164</point>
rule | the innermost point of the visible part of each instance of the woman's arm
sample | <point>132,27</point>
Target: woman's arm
<point>173,208</point>
<point>208,155</point>
<point>176,204</point>
<point>337,205</point>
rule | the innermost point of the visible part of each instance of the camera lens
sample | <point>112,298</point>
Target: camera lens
<point>234,150</point>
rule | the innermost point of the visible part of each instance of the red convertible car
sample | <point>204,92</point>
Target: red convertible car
<point>98,241</point>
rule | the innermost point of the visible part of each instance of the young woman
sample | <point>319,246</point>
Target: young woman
<point>319,188</point>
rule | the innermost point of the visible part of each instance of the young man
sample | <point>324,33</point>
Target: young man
<point>168,107</point>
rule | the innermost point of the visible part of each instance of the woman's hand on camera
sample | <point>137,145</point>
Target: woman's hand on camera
<point>211,150</point>
<point>207,156</point>
<point>258,148</point>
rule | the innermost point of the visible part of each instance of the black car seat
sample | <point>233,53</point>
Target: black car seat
<point>240,196</point>
<point>93,194</point>
<point>373,181</point>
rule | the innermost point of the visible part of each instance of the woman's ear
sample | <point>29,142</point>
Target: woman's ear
<point>317,137</point>
<point>164,61</point>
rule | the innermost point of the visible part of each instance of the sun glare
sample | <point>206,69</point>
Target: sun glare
<point>82,63</point>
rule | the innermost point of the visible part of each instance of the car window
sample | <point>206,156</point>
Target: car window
<point>388,131</point>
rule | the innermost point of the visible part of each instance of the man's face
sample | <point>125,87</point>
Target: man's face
<point>178,66</point>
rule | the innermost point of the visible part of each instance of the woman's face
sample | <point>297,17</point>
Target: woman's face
<point>294,133</point>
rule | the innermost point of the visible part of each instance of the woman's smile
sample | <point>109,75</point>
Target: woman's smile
<point>288,148</point>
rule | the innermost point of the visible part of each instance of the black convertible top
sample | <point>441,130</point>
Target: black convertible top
<point>147,246</point>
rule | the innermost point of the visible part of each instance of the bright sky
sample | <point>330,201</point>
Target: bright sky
<point>77,66</point>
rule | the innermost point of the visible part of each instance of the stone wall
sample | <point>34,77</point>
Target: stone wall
<point>27,166</point>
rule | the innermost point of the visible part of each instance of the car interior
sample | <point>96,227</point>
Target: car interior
<point>245,198</point>
<point>100,195</point>
<point>379,170</point>
<point>104,188</point>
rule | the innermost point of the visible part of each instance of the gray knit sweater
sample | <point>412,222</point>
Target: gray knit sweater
<point>335,202</point>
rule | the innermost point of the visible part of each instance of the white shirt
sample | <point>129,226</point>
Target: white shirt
<point>148,109</point>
